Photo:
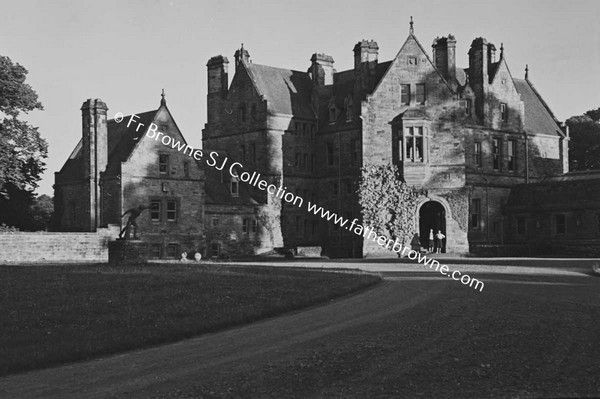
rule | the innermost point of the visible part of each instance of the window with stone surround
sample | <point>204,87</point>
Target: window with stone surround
<point>254,225</point>
<point>155,210</point>
<point>478,154</point>
<point>512,151</point>
<point>215,250</point>
<point>411,142</point>
<point>496,153</point>
<point>171,211</point>
<point>186,169</point>
<point>156,251</point>
<point>405,94</point>
<point>468,106</point>
<point>475,213</point>
<point>414,144</point>
<point>421,96</point>
<point>234,186</point>
<point>163,163</point>
<point>173,251</point>
<point>245,225</point>
<point>503,112</point>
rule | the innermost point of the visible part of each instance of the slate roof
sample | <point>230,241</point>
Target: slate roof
<point>538,117</point>
<point>286,91</point>
<point>121,142</point>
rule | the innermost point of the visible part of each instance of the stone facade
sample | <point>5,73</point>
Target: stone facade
<point>117,167</point>
<point>466,136</point>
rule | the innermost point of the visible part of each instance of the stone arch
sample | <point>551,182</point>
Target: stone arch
<point>433,203</point>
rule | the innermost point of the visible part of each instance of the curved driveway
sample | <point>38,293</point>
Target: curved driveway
<point>382,334</point>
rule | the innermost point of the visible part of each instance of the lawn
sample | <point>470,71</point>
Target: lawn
<point>58,314</point>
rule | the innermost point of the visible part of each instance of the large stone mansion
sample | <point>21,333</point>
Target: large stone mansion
<point>466,135</point>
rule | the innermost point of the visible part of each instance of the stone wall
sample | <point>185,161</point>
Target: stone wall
<point>25,247</point>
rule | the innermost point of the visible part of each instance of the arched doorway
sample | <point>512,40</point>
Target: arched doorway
<point>432,215</point>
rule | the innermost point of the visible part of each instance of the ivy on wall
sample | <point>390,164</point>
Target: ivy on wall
<point>388,203</point>
<point>459,206</point>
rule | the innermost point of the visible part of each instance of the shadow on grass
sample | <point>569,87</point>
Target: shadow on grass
<point>59,314</point>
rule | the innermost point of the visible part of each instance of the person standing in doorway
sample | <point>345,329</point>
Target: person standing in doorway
<point>431,241</point>
<point>439,239</point>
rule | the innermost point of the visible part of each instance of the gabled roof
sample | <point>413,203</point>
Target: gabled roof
<point>286,91</point>
<point>122,139</point>
<point>538,117</point>
<point>121,142</point>
<point>413,37</point>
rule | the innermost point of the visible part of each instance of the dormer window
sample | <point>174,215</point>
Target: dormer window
<point>332,114</point>
<point>243,113</point>
<point>349,109</point>
<point>234,186</point>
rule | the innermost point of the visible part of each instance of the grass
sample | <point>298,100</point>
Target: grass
<point>58,314</point>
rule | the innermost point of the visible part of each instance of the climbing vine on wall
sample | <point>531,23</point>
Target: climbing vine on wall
<point>459,206</point>
<point>388,203</point>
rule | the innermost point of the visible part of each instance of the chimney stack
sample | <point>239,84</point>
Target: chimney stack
<point>321,69</point>
<point>95,156</point>
<point>444,56</point>
<point>478,72</point>
<point>218,87</point>
<point>365,57</point>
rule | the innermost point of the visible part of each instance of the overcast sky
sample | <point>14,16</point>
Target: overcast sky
<point>126,52</point>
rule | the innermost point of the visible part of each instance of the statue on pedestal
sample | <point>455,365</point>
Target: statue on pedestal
<point>133,215</point>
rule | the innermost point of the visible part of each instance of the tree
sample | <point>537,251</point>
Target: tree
<point>22,150</point>
<point>584,146</point>
<point>388,203</point>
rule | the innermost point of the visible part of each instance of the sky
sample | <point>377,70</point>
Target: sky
<point>126,52</point>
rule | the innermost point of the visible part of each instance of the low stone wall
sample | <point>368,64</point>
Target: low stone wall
<point>24,247</point>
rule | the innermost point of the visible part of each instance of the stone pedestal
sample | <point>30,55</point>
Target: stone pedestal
<point>130,252</point>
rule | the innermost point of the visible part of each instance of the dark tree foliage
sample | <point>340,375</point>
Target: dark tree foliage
<point>22,150</point>
<point>584,146</point>
<point>24,211</point>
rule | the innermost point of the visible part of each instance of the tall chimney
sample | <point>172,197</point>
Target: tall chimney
<point>478,72</point>
<point>444,56</point>
<point>95,156</point>
<point>218,82</point>
<point>365,64</point>
<point>321,69</point>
